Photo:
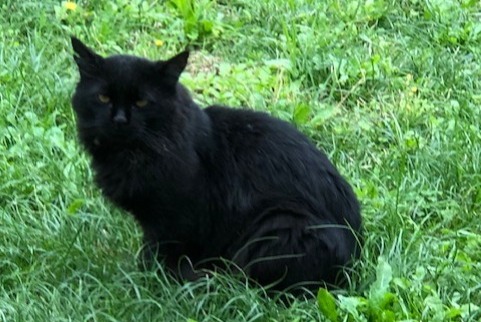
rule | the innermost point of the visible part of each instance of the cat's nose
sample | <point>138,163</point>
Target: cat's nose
<point>120,118</point>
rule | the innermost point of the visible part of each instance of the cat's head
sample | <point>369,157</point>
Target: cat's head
<point>126,100</point>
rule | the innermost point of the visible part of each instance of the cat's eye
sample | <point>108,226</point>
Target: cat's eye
<point>141,103</point>
<point>104,98</point>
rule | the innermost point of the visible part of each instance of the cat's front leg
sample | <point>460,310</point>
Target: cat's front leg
<point>171,257</point>
<point>148,255</point>
<point>183,268</point>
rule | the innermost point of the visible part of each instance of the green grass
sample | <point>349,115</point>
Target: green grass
<point>390,89</point>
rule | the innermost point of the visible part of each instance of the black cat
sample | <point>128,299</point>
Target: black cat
<point>215,182</point>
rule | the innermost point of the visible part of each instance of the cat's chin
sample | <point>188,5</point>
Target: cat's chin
<point>111,144</point>
<point>114,145</point>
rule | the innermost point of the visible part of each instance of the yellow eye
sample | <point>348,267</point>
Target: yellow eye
<point>104,98</point>
<point>141,103</point>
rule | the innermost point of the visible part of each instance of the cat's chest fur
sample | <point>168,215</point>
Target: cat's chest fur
<point>124,174</point>
<point>160,189</point>
<point>133,177</point>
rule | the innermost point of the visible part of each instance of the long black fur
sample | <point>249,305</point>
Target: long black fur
<point>214,182</point>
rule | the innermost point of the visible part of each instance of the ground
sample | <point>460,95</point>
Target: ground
<point>389,89</point>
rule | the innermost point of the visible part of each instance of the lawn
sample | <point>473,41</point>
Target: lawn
<point>390,89</point>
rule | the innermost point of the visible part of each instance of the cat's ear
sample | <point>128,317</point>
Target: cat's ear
<point>87,60</point>
<point>172,68</point>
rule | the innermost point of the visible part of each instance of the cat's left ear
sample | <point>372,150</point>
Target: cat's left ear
<point>172,68</point>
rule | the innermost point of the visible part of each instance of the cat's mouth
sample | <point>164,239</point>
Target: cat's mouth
<point>111,137</point>
<point>119,138</point>
<point>107,135</point>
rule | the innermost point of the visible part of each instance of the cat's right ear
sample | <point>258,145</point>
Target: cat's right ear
<point>87,60</point>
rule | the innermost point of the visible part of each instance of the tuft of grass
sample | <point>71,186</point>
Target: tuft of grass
<point>389,89</point>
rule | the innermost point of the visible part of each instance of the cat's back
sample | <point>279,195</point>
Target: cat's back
<point>269,159</point>
<point>247,134</point>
